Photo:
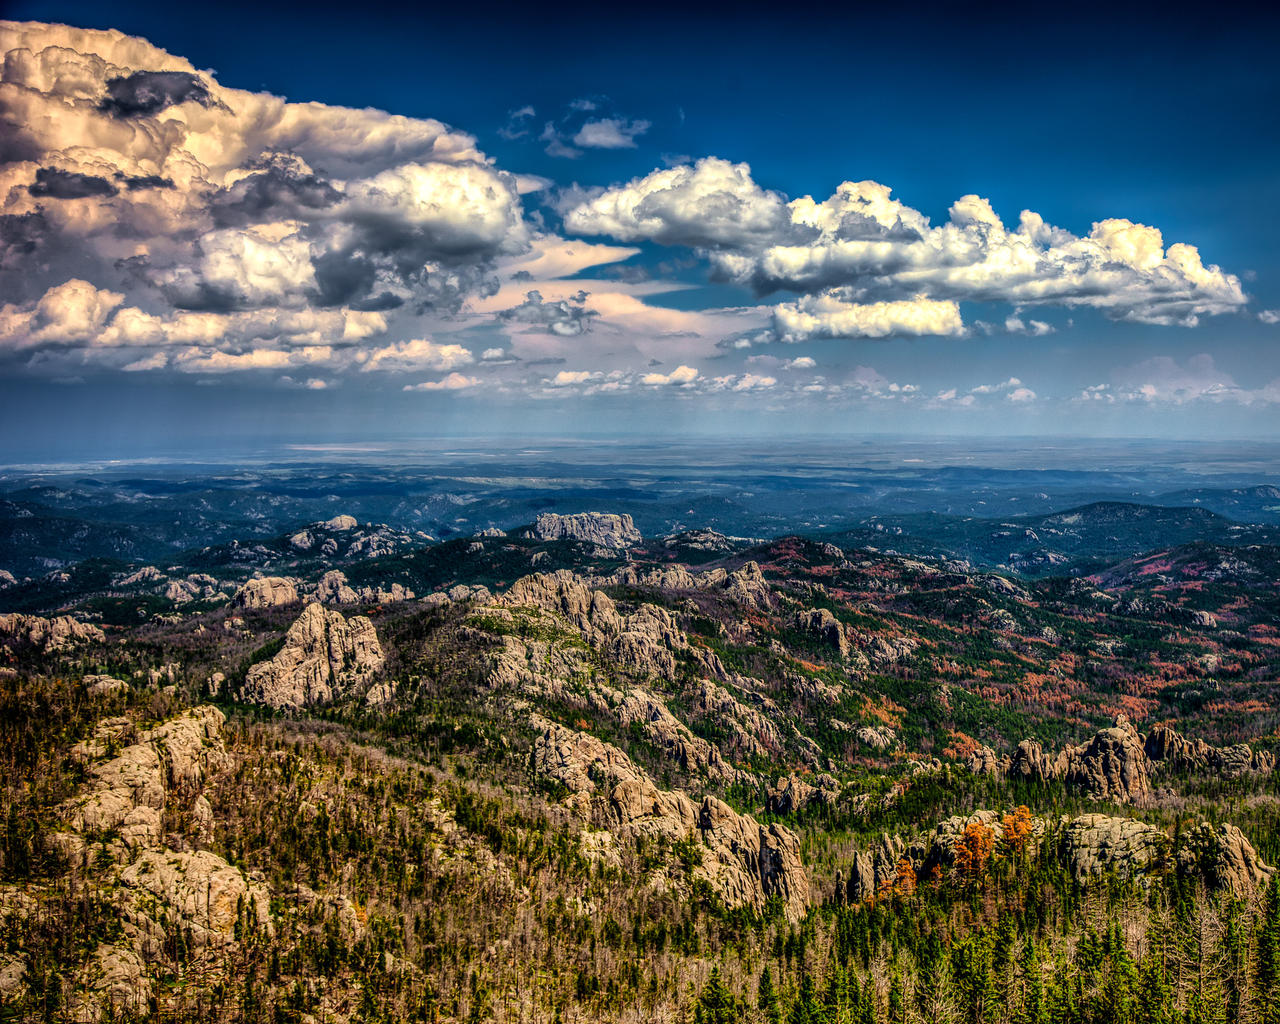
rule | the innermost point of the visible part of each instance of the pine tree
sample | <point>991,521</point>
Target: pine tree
<point>1266,974</point>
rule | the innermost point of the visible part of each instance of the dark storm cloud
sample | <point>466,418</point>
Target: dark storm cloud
<point>58,184</point>
<point>567,318</point>
<point>144,93</point>
<point>281,190</point>
<point>20,237</point>
<point>138,182</point>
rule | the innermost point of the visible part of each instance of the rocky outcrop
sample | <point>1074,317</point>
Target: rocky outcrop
<point>877,737</point>
<point>1090,846</point>
<point>1110,766</point>
<point>1224,857</point>
<point>1166,745</point>
<point>745,862</point>
<point>791,794</point>
<point>821,624</point>
<point>1095,844</point>
<point>562,593</point>
<point>334,589</point>
<point>324,657</point>
<point>985,761</point>
<point>266,592</point>
<point>141,820</point>
<point>748,586</point>
<point>105,686</point>
<point>603,529</point>
<point>128,791</point>
<point>48,634</point>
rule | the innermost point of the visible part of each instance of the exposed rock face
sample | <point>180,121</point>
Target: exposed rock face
<point>819,622</point>
<point>1225,858</point>
<point>1029,761</point>
<point>323,658</point>
<point>48,634</point>
<point>745,862</point>
<point>791,794</point>
<point>748,586</point>
<point>604,529</point>
<point>128,791</point>
<point>105,686</point>
<point>7,579</point>
<point>1186,754</point>
<point>1096,843</point>
<point>644,644</point>
<point>984,761</point>
<point>589,611</point>
<point>266,592</point>
<point>338,524</point>
<point>161,887</point>
<point>1091,846</point>
<point>675,577</point>
<point>699,540</point>
<point>878,737</point>
<point>334,589</point>
<point>1111,766</point>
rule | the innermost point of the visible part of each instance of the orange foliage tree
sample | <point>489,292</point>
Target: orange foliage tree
<point>1017,830</point>
<point>974,848</point>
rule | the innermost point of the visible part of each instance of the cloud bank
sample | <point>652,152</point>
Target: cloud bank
<point>866,264</point>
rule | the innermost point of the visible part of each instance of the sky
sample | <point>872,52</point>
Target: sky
<point>239,225</point>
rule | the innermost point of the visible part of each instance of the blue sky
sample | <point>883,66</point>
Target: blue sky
<point>189,260</point>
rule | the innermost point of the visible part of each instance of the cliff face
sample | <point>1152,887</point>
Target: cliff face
<point>323,658</point>
<point>53,634</point>
<point>1089,845</point>
<point>603,529</point>
<point>743,861</point>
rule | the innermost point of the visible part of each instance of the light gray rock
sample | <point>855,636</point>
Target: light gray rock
<point>1165,745</point>
<point>54,634</point>
<point>105,686</point>
<point>604,529</point>
<point>822,624</point>
<point>324,657</point>
<point>743,861</point>
<point>266,592</point>
<point>334,589</point>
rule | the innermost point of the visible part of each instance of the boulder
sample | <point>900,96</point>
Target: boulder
<point>323,658</point>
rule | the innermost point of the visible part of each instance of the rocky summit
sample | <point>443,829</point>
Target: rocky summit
<point>602,529</point>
